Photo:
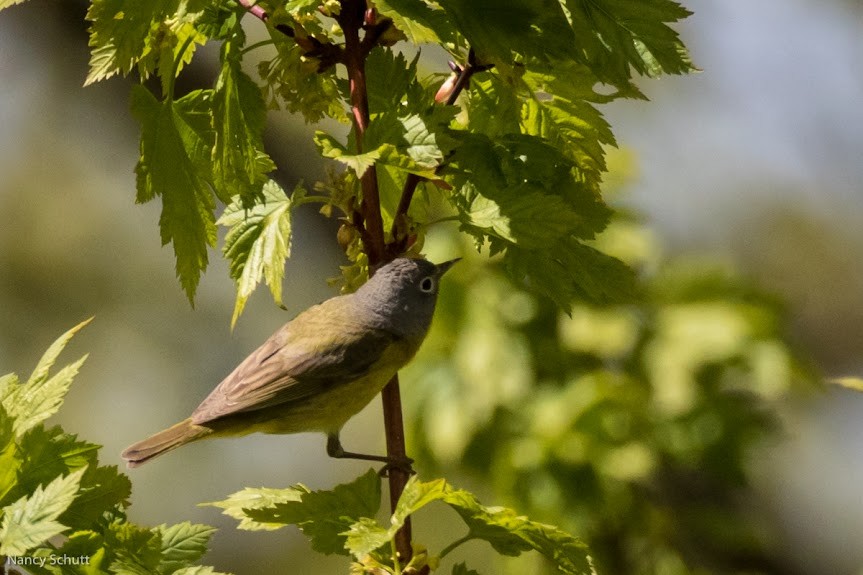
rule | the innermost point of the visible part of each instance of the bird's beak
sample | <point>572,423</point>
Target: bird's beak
<point>445,266</point>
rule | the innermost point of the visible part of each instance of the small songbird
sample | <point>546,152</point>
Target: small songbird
<point>319,369</point>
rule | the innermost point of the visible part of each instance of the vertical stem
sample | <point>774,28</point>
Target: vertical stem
<point>398,478</point>
<point>351,20</point>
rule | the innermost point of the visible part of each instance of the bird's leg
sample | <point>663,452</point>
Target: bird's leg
<point>335,450</point>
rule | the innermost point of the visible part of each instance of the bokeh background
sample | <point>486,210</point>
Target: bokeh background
<point>756,163</point>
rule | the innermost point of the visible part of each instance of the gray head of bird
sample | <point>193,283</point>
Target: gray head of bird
<point>402,294</point>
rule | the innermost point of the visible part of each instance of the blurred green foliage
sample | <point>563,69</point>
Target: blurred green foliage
<point>629,425</point>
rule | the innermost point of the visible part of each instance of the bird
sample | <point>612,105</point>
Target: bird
<point>319,369</point>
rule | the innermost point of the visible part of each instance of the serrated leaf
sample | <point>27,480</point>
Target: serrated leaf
<point>32,520</point>
<point>571,270</point>
<point>240,164</point>
<point>295,79</point>
<point>238,504</point>
<point>50,453</point>
<point>138,551</point>
<point>259,241</point>
<point>329,147</point>
<point>507,532</point>
<point>617,36</point>
<point>46,362</point>
<point>10,456</point>
<point>80,545</point>
<point>38,399</point>
<point>176,144</point>
<point>421,21</point>
<point>325,516</point>
<point>128,34</point>
<point>102,489</point>
<point>182,544</point>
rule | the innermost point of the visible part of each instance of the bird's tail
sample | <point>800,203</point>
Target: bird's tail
<point>163,442</point>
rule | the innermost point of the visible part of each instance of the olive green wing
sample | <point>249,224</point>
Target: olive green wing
<point>304,358</point>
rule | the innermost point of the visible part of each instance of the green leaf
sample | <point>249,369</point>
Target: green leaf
<point>32,520</point>
<point>497,29</point>
<point>102,489</point>
<point>238,504</point>
<point>10,456</point>
<point>88,549</point>
<point>296,80</point>
<point>182,544</point>
<point>259,241</point>
<point>176,144</point>
<point>125,34</point>
<point>329,147</point>
<point>50,453</point>
<point>46,362</point>
<point>389,78</point>
<point>570,270</point>
<point>461,569</point>
<point>616,36</point>
<point>138,550</point>
<point>325,516</point>
<point>421,21</point>
<point>39,398</point>
<point>239,114</point>
<point>508,533</point>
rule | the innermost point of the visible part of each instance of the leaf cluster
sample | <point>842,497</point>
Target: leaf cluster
<point>61,512</point>
<point>340,521</point>
<point>518,160</point>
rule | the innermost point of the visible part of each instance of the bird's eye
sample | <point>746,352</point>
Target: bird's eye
<point>427,285</point>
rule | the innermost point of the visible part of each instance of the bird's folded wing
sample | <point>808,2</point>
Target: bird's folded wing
<point>294,364</point>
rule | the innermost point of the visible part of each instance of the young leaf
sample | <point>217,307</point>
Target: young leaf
<point>176,144</point>
<point>125,34</point>
<point>46,362</point>
<point>40,398</point>
<point>324,516</point>
<point>10,456</point>
<point>32,520</point>
<point>259,241</point>
<point>239,113</point>
<point>32,404</point>
<point>329,147</point>
<point>182,544</point>
<point>238,504</point>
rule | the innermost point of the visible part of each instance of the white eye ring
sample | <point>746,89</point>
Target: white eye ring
<point>427,284</point>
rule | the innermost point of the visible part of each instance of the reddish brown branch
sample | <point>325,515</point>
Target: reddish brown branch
<point>352,18</point>
<point>448,93</point>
